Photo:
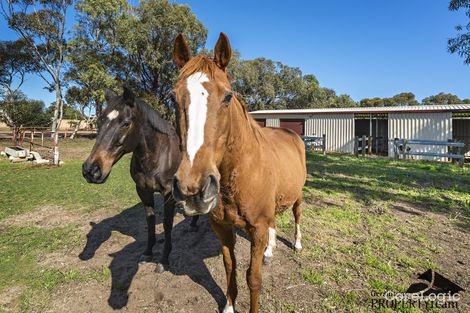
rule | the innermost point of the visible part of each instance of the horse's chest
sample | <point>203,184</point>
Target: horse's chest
<point>228,214</point>
<point>147,182</point>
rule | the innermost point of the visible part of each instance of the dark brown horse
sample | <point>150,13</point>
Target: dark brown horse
<point>129,125</point>
<point>231,168</point>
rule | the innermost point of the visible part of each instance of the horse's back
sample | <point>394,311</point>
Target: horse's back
<point>288,149</point>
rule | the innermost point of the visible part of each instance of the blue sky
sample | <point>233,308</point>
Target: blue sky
<point>364,48</point>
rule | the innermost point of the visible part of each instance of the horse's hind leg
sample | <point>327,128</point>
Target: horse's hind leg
<point>297,209</point>
<point>147,199</point>
<point>168,215</point>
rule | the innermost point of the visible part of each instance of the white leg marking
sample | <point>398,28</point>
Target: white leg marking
<point>228,308</point>
<point>271,243</point>
<point>298,237</point>
<point>112,115</point>
<point>197,113</point>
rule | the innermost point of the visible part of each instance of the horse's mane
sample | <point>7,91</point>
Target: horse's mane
<point>154,119</point>
<point>255,128</point>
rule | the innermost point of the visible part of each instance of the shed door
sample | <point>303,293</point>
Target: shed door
<point>261,122</point>
<point>295,125</point>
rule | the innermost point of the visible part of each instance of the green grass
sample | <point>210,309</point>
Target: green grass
<point>312,276</point>
<point>27,187</point>
<point>352,229</point>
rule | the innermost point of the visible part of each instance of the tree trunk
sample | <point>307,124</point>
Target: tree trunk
<point>56,122</point>
<point>75,130</point>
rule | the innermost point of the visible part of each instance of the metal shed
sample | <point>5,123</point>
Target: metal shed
<point>341,125</point>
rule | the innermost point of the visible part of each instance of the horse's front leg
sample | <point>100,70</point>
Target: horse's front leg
<point>168,215</point>
<point>193,227</point>
<point>259,239</point>
<point>227,239</point>
<point>147,199</point>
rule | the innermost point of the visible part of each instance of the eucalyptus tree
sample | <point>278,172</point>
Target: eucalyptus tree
<point>15,62</point>
<point>461,43</point>
<point>41,24</point>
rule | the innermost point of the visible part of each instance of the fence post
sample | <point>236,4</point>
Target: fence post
<point>363,145</point>
<point>453,150</point>
<point>462,153</point>
<point>31,139</point>
<point>13,138</point>
<point>405,152</point>
<point>370,145</point>
<point>396,151</point>
<point>376,145</point>
<point>324,143</point>
<point>356,146</point>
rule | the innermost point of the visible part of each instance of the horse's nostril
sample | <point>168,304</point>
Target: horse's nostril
<point>210,189</point>
<point>96,171</point>
<point>86,167</point>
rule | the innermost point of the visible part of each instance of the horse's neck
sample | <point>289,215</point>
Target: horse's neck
<point>242,139</point>
<point>149,141</point>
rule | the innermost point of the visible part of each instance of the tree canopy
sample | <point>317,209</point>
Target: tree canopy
<point>404,98</point>
<point>443,98</point>
<point>266,84</point>
<point>461,43</point>
<point>115,42</point>
<point>24,112</point>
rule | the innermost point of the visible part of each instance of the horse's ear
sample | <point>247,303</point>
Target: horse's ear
<point>109,94</point>
<point>222,52</point>
<point>181,53</point>
<point>128,96</point>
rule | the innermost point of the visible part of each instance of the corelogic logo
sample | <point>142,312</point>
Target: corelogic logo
<point>431,291</point>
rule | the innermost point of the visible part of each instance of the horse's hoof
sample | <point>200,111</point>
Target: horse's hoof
<point>145,258</point>
<point>160,268</point>
<point>266,260</point>
<point>298,249</point>
<point>193,228</point>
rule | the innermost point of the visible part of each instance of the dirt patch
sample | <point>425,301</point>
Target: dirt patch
<point>10,299</point>
<point>46,216</point>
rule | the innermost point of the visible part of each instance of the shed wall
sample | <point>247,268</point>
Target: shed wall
<point>338,128</point>
<point>272,122</point>
<point>420,126</point>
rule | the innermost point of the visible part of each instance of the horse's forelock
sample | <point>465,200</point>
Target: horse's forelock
<point>196,64</point>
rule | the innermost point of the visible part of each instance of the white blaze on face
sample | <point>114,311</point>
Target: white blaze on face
<point>112,115</point>
<point>197,113</point>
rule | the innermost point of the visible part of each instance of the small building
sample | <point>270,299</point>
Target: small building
<point>383,124</point>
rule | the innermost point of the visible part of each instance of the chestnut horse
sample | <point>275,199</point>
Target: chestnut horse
<point>127,125</point>
<point>231,168</point>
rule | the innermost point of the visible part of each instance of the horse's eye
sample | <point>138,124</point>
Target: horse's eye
<point>227,97</point>
<point>126,124</point>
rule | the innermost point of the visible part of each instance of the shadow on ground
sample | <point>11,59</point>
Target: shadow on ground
<point>187,257</point>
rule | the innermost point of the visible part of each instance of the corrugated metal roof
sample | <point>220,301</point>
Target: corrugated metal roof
<point>394,109</point>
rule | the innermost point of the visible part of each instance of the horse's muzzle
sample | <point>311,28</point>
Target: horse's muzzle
<point>197,203</point>
<point>93,173</point>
